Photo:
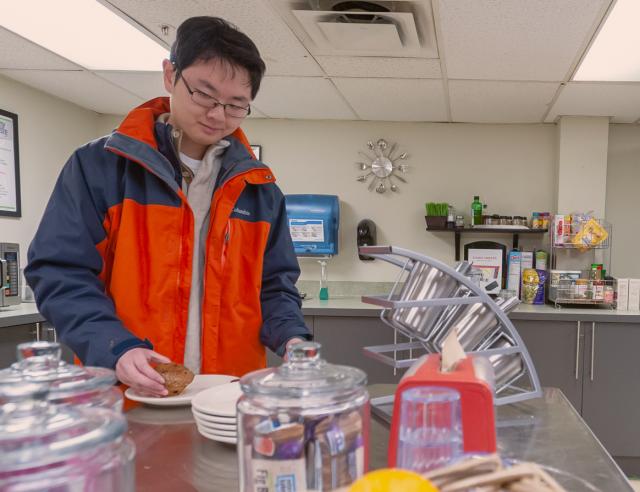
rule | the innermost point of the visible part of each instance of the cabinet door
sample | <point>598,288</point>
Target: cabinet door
<point>10,337</point>
<point>274,360</point>
<point>343,337</point>
<point>557,350</point>
<point>611,395</point>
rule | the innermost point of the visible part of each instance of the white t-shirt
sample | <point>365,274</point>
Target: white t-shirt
<point>191,163</point>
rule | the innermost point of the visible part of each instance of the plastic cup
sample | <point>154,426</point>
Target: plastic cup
<point>430,433</point>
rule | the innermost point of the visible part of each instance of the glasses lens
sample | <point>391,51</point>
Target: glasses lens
<point>237,111</point>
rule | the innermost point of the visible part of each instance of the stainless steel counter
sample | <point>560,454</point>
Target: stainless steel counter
<point>171,455</point>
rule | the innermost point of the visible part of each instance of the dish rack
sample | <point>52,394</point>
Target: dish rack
<point>428,299</point>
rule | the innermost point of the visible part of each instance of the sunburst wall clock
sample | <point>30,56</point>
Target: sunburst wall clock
<point>383,169</point>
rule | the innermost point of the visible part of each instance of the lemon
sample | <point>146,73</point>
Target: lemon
<point>392,480</point>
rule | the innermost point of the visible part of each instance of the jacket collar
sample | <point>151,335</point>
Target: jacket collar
<point>141,138</point>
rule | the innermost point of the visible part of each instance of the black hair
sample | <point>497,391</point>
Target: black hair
<point>205,38</point>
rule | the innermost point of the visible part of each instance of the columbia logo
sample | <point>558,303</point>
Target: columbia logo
<point>241,212</point>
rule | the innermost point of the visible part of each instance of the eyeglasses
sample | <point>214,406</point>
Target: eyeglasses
<point>207,101</point>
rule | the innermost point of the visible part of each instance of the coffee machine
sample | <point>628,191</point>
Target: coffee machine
<point>9,274</point>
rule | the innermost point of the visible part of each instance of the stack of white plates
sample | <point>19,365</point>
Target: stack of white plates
<point>215,412</point>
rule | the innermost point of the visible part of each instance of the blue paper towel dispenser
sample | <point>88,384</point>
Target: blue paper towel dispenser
<point>314,221</point>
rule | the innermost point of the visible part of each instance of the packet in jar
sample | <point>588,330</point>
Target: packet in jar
<point>277,461</point>
<point>337,452</point>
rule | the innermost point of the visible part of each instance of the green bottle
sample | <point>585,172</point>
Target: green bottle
<point>476,211</point>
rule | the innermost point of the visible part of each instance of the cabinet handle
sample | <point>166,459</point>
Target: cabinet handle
<point>577,350</point>
<point>37,332</point>
<point>593,346</point>
<point>52,331</point>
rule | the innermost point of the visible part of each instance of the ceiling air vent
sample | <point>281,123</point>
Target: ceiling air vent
<point>368,28</point>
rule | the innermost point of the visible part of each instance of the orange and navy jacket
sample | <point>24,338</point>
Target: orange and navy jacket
<point>110,264</point>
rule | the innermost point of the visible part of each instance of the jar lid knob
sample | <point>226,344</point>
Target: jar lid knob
<point>304,352</point>
<point>50,350</point>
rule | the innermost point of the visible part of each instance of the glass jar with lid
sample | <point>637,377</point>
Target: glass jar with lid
<point>39,362</point>
<point>305,423</point>
<point>48,448</point>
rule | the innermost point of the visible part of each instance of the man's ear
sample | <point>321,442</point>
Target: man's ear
<point>168,75</point>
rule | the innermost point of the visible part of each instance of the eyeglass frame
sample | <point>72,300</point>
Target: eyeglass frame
<point>216,103</point>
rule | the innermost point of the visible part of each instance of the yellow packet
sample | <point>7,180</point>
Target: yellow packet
<point>590,235</point>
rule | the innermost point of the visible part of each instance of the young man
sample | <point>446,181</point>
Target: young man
<point>167,240</point>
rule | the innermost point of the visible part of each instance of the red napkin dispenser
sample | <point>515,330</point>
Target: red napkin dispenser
<point>476,402</point>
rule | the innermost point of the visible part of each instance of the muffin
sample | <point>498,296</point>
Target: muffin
<point>176,377</point>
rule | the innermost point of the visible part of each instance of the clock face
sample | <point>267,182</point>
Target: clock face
<point>382,170</point>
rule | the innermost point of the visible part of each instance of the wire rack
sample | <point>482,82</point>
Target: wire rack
<point>427,300</point>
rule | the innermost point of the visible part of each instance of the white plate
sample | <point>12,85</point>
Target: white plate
<point>214,437</point>
<point>219,401</point>
<point>216,427</point>
<point>200,382</point>
<point>213,418</point>
<point>222,424</point>
<point>215,432</point>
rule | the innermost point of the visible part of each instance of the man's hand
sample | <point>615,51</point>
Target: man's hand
<point>291,342</point>
<point>134,370</point>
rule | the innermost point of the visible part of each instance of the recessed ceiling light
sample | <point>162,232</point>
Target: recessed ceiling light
<point>85,32</point>
<point>614,56</point>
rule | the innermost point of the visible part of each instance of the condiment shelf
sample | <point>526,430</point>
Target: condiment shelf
<point>571,236</point>
<point>458,231</point>
<point>583,291</point>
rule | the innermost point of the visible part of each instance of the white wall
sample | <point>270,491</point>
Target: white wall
<point>49,130</point>
<point>623,192</point>
<point>511,167</point>
<point>582,169</point>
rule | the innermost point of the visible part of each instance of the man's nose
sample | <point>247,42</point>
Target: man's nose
<point>216,112</point>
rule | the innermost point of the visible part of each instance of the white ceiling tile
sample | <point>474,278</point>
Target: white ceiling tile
<point>481,101</point>
<point>515,39</point>
<point>373,67</point>
<point>79,87</point>
<point>301,98</point>
<point>280,49</point>
<point>17,52</point>
<point>146,85</point>
<point>395,99</point>
<point>620,101</point>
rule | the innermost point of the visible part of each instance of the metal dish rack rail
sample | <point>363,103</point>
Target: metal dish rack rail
<point>510,391</point>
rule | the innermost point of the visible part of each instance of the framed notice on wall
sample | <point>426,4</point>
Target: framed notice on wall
<point>9,165</point>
